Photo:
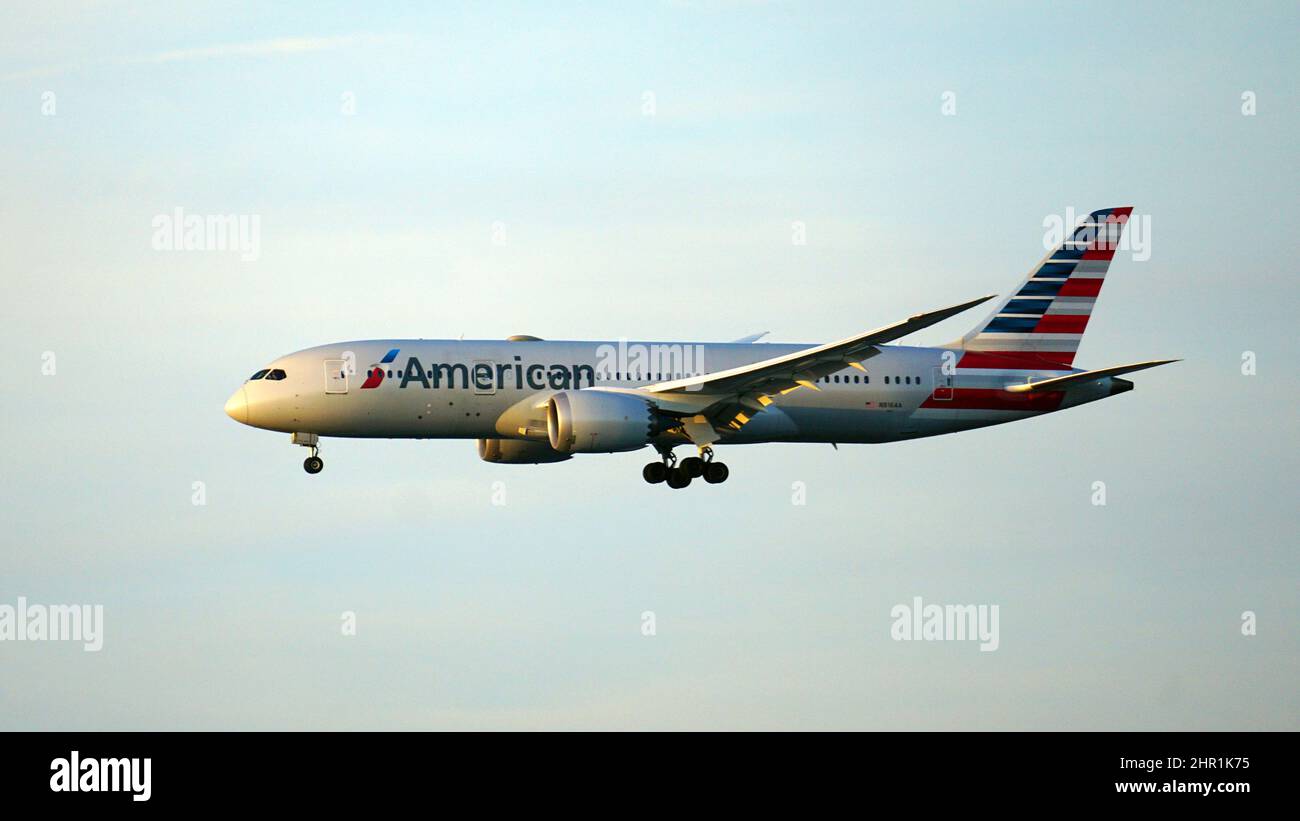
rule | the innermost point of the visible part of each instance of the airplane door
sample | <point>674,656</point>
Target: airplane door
<point>942,385</point>
<point>336,376</point>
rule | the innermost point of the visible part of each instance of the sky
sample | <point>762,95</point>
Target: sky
<point>597,171</point>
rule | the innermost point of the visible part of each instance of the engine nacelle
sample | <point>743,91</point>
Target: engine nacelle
<point>599,422</point>
<point>518,452</point>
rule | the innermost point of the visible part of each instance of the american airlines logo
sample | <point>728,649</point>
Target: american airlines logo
<point>621,362</point>
<point>376,375</point>
<point>482,376</point>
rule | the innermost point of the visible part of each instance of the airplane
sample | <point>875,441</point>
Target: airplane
<point>531,401</point>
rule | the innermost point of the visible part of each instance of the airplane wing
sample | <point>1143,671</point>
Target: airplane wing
<point>783,374</point>
<point>1059,383</point>
<point>726,399</point>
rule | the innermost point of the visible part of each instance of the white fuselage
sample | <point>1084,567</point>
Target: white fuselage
<point>474,389</point>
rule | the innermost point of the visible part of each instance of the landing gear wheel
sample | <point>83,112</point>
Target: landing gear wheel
<point>715,473</point>
<point>678,478</point>
<point>655,472</point>
<point>313,464</point>
<point>693,466</point>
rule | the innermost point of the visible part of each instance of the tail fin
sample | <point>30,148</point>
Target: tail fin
<point>1041,324</point>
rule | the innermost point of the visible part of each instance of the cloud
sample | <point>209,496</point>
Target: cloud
<point>255,48</point>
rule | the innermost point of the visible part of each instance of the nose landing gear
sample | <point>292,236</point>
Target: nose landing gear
<point>312,464</point>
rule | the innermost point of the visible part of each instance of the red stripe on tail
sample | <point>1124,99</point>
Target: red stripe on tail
<point>1078,286</point>
<point>1061,324</point>
<point>1018,360</point>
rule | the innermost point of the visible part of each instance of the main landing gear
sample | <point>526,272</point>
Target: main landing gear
<point>312,464</point>
<point>678,476</point>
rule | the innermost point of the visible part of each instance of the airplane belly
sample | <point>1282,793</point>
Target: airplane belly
<point>772,425</point>
<point>847,425</point>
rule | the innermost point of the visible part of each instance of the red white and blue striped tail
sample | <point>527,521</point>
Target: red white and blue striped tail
<point>1039,326</point>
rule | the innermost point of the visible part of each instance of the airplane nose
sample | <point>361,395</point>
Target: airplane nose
<point>237,406</point>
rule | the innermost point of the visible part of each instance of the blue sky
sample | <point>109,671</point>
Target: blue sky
<point>529,121</point>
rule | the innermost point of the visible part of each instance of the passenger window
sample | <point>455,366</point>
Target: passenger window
<point>258,375</point>
<point>886,380</point>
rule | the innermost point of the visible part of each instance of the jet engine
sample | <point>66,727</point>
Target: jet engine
<point>518,452</point>
<point>600,422</point>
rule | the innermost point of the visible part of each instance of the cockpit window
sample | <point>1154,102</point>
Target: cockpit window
<point>259,374</point>
<point>275,374</point>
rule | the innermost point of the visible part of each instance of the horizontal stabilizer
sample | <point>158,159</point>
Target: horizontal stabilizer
<point>1060,383</point>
